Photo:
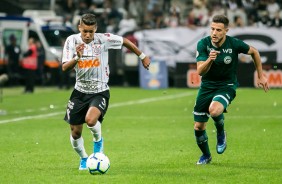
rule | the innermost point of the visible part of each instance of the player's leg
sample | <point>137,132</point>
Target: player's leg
<point>77,143</point>
<point>219,104</point>
<point>94,117</point>
<point>75,116</point>
<point>201,118</point>
<point>216,111</point>
<point>202,142</point>
<point>95,127</point>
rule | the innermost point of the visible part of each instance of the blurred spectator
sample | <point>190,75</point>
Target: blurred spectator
<point>127,24</point>
<point>261,7</point>
<point>136,9</point>
<point>250,10</point>
<point>41,63</point>
<point>238,22</point>
<point>113,17</point>
<point>154,19</point>
<point>191,21</point>
<point>263,21</point>
<point>166,5</point>
<point>272,9</point>
<point>98,3</point>
<point>276,21</point>
<point>173,19</point>
<point>101,17</point>
<point>235,8</point>
<point>200,12</point>
<point>29,65</point>
<point>12,52</point>
<point>217,9</point>
<point>151,4</point>
<point>82,8</point>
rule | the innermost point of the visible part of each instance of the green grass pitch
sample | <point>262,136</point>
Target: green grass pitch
<point>148,137</point>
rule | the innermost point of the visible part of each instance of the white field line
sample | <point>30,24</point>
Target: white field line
<point>133,102</point>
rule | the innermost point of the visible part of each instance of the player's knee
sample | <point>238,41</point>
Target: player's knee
<point>215,111</point>
<point>75,134</point>
<point>199,126</point>
<point>90,121</point>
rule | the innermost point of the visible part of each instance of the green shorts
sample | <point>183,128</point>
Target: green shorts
<point>206,96</point>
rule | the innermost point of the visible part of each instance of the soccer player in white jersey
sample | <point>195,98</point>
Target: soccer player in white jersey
<point>87,53</point>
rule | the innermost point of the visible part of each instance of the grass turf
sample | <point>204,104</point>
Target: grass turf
<point>148,136</point>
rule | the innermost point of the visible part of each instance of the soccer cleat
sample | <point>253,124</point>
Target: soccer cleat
<point>221,143</point>
<point>82,165</point>
<point>204,160</point>
<point>99,146</point>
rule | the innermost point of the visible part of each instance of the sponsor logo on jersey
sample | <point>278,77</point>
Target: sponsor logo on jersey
<point>228,51</point>
<point>115,41</point>
<point>89,63</point>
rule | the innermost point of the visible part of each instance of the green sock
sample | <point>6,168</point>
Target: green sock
<point>202,141</point>
<point>219,124</point>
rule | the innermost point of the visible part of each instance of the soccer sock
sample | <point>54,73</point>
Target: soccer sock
<point>96,131</point>
<point>78,146</point>
<point>202,141</point>
<point>219,124</point>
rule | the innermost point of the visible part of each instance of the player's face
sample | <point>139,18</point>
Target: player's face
<point>87,32</point>
<point>218,33</point>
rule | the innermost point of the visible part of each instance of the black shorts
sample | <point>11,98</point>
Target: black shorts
<point>79,104</point>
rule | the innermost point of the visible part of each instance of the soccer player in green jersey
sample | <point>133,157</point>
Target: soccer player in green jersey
<point>217,60</point>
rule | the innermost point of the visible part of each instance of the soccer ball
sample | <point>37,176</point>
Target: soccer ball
<point>98,163</point>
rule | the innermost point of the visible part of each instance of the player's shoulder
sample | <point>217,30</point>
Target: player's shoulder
<point>233,39</point>
<point>102,37</point>
<point>106,37</point>
<point>205,40</point>
<point>74,37</point>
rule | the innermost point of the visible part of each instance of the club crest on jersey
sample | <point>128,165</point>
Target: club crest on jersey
<point>227,60</point>
<point>96,49</point>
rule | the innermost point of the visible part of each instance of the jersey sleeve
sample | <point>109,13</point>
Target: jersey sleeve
<point>242,47</point>
<point>113,41</point>
<point>201,53</point>
<point>69,49</point>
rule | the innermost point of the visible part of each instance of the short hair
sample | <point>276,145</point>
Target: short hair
<point>88,19</point>
<point>221,19</point>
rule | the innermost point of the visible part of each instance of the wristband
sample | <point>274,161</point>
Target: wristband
<point>76,58</point>
<point>142,56</point>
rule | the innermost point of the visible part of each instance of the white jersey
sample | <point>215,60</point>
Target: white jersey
<point>92,70</point>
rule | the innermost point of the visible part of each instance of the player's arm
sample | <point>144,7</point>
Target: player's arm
<point>133,48</point>
<point>204,66</point>
<point>69,65</point>
<point>262,80</point>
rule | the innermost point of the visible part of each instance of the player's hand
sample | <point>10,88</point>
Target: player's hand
<point>262,82</point>
<point>213,54</point>
<point>146,62</point>
<point>79,49</point>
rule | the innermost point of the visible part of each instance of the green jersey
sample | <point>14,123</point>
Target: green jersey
<point>224,69</point>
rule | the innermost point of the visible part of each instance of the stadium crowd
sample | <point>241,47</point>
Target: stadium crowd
<point>122,16</point>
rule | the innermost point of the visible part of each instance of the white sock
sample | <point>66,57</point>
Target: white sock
<point>96,131</point>
<point>78,146</point>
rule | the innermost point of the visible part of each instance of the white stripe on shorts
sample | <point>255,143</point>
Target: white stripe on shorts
<point>221,96</point>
